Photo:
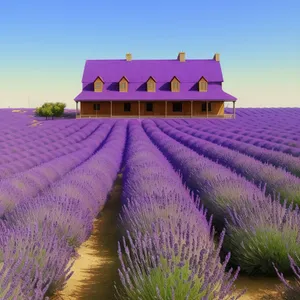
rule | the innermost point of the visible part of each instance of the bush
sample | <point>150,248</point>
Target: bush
<point>50,110</point>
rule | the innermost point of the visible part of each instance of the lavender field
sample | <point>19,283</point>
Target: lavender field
<point>201,203</point>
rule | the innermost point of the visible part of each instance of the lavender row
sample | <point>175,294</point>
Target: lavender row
<point>41,236</point>
<point>260,124</point>
<point>170,253</point>
<point>284,142</point>
<point>9,134</point>
<point>263,139</point>
<point>248,211</point>
<point>31,182</point>
<point>38,138</point>
<point>274,132</point>
<point>277,179</point>
<point>288,162</point>
<point>266,119</point>
<point>35,158</point>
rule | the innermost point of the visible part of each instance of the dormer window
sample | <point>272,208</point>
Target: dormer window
<point>151,84</point>
<point>98,84</point>
<point>203,85</point>
<point>175,84</point>
<point>123,84</point>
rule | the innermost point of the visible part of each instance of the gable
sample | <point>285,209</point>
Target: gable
<point>124,79</point>
<point>175,79</point>
<point>151,79</point>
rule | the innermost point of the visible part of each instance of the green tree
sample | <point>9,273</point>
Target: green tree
<point>50,109</point>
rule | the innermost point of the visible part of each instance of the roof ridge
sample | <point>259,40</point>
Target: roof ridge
<point>150,59</point>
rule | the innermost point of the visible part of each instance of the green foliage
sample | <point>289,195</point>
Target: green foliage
<point>257,249</point>
<point>50,109</point>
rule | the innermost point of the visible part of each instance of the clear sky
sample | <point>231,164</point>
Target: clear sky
<point>44,44</point>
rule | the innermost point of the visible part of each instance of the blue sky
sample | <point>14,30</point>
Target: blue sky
<point>44,44</point>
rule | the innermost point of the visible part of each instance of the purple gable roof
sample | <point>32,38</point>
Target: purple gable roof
<point>138,72</point>
<point>161,70</point>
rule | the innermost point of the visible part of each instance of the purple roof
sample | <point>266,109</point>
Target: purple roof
<point>138,72</point>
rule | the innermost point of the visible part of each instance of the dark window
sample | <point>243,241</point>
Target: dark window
<point>204,106</point>
<point>149,106</point>
<point>97,106</point>
<point>177,107</point>
<point>127,106</point>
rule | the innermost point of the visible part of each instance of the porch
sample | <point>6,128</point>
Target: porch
<point>154,109</point>
<point>225,116</point>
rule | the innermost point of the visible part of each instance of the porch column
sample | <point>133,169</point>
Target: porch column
<point>76,108</point>
<point>166,108</point>
<point>206,109</point>
<point>233,109</point>
<point>139,109</point>
<point>191,109</point>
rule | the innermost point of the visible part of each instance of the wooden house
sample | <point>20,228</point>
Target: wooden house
<point>153,88</point>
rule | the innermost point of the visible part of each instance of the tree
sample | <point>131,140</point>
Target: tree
<point>49,109</point>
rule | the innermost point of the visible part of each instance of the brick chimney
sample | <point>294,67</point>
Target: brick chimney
<point>217,57</point>
<point>181,56</point>
<point>128,57</point>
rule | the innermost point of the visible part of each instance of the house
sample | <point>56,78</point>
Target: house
<point>153,88</point>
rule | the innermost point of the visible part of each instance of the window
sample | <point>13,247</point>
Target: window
<point>204,106</point>
<point>123,86</point>
<point>203,85</point>
<point>97,106</point>
<point>175,85</point>
<point>177,107</point>
<point>127,106</point>
<point>150,86</point>
<point>98,86</point>
<point>149,106</point>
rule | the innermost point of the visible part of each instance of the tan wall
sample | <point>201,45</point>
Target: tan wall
<point>118,108</point>
<point>186,109</point>
<point>158,109</point>
<point>87,108</point>
<point>217,108</point>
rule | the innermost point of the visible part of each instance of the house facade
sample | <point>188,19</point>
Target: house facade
<point>153,88</point>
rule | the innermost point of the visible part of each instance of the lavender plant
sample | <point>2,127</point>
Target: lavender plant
<point>282,160</point>
<point>38,255</point>
<point>276,179</point>
<point>174,264</point>
<point>167,232</point>
<point>227,195</point>
<point>72,222</point>
<point>263,235</point>
<point>290,291</point>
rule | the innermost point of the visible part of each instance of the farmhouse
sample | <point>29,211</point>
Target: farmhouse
<point>153,88</point>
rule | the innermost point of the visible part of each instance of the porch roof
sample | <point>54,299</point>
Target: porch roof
<point>214,93</point>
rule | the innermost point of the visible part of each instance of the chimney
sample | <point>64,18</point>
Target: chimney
<point>128,57</point>
<point>181,57</point>
<point>217,57</point>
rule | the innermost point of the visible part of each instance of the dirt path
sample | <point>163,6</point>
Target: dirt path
<point>96,270</point>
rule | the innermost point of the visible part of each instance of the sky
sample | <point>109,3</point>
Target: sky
<point>44,45</point>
